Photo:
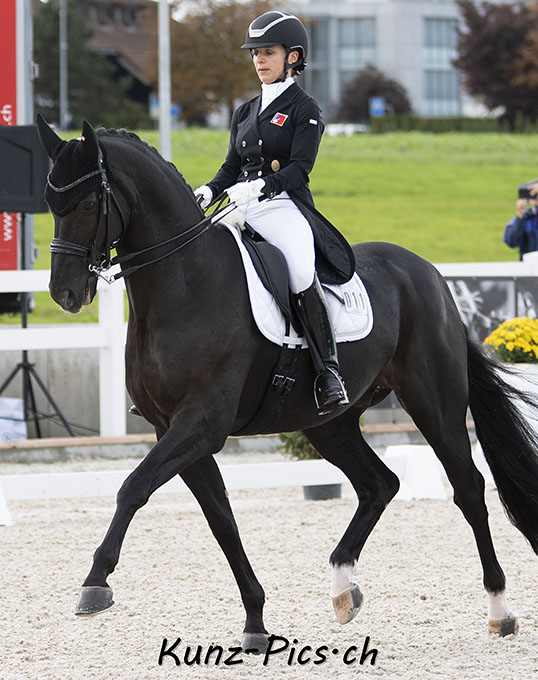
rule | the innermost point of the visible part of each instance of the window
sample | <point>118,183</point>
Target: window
<point>442,94</point>
<point>440,33</point>
<point>318,31</point>
<point>105,14</point>
<point>316,78</point>
<point>441,85</point>
<point>356,43</point>
<point>129,16</point>
<point>440,42</point>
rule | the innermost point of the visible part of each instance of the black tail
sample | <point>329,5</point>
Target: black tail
<point>509,443</point>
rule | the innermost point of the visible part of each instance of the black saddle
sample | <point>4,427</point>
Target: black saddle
<point>270,265</point>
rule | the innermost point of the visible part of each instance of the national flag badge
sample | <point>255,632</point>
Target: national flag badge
<point>279,119</point>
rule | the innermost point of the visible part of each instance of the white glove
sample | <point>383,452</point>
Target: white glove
<point>244,192</point>
<point>233,218</point>
<point>206,194</point>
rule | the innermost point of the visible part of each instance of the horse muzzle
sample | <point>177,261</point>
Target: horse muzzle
<point>72,301</point>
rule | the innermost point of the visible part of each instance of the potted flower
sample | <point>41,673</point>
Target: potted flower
<point>297,447</point>
<point>515,342</point>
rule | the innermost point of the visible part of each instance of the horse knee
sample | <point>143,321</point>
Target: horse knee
<point>133,494</point>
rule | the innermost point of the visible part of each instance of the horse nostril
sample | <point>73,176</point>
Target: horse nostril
<point>65,299</point>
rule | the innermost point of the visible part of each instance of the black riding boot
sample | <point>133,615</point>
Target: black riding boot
<point>329,390</point>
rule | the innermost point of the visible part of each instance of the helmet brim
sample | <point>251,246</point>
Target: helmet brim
<point>254,44</point>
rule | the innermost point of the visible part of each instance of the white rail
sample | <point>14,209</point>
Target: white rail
<point>108,335</point>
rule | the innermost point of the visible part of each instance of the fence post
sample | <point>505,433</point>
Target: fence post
<point>531,260</point>
<point>112,402</point>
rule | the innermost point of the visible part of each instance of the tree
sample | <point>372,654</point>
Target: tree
<point>527,64</point>
<point>94,92</point>
<point>209,70</point>
<point>371,82</point>
<point>493,56</point>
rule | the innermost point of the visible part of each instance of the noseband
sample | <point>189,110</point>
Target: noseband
<point>100,259</point>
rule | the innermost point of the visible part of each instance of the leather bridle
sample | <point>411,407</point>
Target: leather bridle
<point>99,258</point>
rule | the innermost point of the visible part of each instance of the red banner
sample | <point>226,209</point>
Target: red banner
<point>9,238</point>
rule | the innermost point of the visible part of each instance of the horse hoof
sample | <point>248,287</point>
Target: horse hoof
<point>348,604</point>
<point>504,627</point>
<point>93,600</point>
<point>254,643</point>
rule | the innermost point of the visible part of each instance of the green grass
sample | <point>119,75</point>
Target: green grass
<point>445,196</point>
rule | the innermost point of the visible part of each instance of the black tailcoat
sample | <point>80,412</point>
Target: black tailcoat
<point>281,146</point>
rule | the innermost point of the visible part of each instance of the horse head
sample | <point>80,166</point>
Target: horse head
<point>87,222</point>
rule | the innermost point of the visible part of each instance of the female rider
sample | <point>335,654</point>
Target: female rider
<point>274,142</point>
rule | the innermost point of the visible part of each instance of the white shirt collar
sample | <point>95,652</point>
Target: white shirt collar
<point>273,90</point>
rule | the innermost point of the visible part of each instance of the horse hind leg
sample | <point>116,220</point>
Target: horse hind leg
<point>439,411</point>
<point>341,442</point>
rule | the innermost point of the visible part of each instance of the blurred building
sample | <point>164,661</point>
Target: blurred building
<point>125,32</point>
<point>412,41</point>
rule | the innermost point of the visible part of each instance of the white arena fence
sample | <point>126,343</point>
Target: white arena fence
<point>108,335</point>
<point>419,471</point>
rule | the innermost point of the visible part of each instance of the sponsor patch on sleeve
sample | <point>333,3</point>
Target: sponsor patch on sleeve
<point>312,121</point>
<point>279,119</point>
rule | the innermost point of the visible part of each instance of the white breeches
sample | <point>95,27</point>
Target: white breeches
<point>281,223</point>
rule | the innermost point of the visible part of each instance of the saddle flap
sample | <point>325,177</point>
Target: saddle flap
<point>271,267</point>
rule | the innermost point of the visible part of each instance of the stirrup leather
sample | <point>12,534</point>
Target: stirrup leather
<point>339,399</point>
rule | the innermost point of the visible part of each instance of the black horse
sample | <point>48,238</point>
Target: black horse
<point>197,367</point>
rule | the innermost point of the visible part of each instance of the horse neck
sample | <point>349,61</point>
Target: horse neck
<point>165,209</point>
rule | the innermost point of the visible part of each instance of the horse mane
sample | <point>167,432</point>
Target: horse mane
<point>133,139</point>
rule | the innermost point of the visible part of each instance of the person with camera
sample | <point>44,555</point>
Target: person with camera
<point>522,230</point>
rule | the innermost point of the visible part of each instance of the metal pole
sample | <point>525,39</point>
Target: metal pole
<point>165,102</point>
<point>64,107</point>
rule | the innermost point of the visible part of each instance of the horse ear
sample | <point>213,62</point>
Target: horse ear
<point>49,139</point>
<point>89,148</point>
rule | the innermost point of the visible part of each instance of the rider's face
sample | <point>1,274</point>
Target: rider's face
<point>269,62</point>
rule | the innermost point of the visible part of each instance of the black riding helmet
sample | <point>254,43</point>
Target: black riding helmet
<point>278,28</point>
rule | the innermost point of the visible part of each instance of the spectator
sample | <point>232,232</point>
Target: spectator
<point>522,230</point>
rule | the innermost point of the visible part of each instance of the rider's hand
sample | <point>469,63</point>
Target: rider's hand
<point>204,196</point>
<point>245,192</point>
<point>231,217</point>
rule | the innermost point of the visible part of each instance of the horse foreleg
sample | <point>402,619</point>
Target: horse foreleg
<point>341,443</point>
<point>205,481</point>
<point>183,444</point>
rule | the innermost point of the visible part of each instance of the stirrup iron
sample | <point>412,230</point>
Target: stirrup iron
<point>338,401</point>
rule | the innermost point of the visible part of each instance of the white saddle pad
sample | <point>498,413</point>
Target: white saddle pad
<point>349,307</point>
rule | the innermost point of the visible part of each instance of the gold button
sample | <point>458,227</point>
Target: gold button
<point>275,165</point>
